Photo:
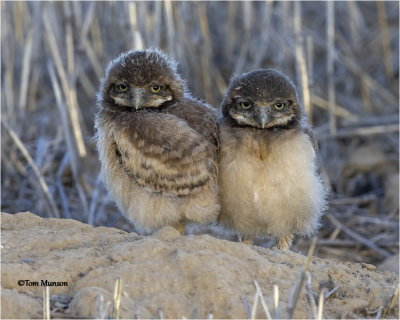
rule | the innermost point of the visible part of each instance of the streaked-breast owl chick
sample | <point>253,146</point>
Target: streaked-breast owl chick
<point>157,145</point>
<point>269,183</point>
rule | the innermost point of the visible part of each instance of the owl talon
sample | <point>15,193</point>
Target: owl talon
<point>247,241</point>
<point>181,228</point>
<point>285,242</point>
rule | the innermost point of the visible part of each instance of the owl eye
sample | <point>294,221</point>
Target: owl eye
<point>122,87</point>
<point>245,105</point>
<point>279,105</point>
<point>156,88</point>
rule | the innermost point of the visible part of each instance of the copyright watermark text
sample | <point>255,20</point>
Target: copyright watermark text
<point>42,283</point>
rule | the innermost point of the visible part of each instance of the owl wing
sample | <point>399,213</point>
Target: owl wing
<point>165,137</point>
<point>161,152</point>
<point>199,116</point>
<point>308,131</point>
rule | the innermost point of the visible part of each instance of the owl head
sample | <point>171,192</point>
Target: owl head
<point>262,99</point>
<point>140,79</point>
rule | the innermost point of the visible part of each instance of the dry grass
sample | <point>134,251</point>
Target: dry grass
<point>344,58</point>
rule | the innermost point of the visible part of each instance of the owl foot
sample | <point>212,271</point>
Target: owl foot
<point>181,228</point>
<point>285,242</point>
<point>247,241</point>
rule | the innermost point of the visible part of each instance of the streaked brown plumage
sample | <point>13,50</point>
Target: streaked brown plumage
<point>268,177</point>
<point>157,145</point>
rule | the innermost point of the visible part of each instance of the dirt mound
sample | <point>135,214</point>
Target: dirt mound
<point>167,275</point>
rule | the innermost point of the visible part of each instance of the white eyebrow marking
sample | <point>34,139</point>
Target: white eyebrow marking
<point>119,100</point>
<point>159,101</point>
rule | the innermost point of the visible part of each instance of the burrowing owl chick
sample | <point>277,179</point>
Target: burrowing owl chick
<point>157,145</point>
<point>268,177</point>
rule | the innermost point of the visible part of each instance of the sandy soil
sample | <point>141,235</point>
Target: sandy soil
<point>167,275</point>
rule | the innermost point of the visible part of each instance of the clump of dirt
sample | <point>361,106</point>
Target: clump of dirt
<point>169,275</point>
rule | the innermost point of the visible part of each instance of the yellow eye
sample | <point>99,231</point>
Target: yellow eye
<point>122,87</point>
<point>245,105</point>
<point>155,88</point>
<point>279,105</point>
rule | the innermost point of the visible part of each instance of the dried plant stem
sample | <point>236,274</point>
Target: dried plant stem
<point>95,32</point>
<point>254,308</point>
<point>26,67</point>
<point>366,95</point>
<point>95,198</point>
<point>207,52</point>
<point>294,298</point>
<point>383,25</point>
<point>276,302</point>
<point>160,314</point>
<point>117,298</point>
<point>137,41</point>
<point>394,299</point>
<point>157,23</point>
<point>310,71</point>
<point>68,136</point>
<point>365,199</point>
<point>46,303</point>
<point>9,56</point>
<point>263,303</point>
<point>232,12</point>
<point>69,96</point>
<point>98,68</point>
<point>363,131</point>
<point>220,82</point>
<point>321,304</point>
<point>64,118</point>
<point>262,46</point>
<point>86,83</point>
<point>339,111</point>
<point>310,294</point>
<point>356,69</point>
<point>354,22</point>
<point>53,208</point>
<point>18,14</point>
<point>247,307</point>
<point>88,20</point>
<point>244,47</point>
<point>69,41</point>
<point>379,313</point>
<point>358,237</point>
<point>330,31</point>
<point>64,199</point>
<point>102,309</point>
<point>329,293</point>
<point>170,26</point>
<point>301,67</point>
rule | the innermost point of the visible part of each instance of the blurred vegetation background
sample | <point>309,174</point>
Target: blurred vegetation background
<point>343,56</point>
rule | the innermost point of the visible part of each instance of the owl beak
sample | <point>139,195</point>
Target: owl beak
<point>137,98</point>
<point>263,117</point>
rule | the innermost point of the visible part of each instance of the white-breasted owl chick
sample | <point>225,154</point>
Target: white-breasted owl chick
<point>269,183</point>
<point>157,145</point>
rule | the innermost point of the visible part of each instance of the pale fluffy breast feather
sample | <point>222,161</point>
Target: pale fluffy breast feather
<point>270,187</point>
